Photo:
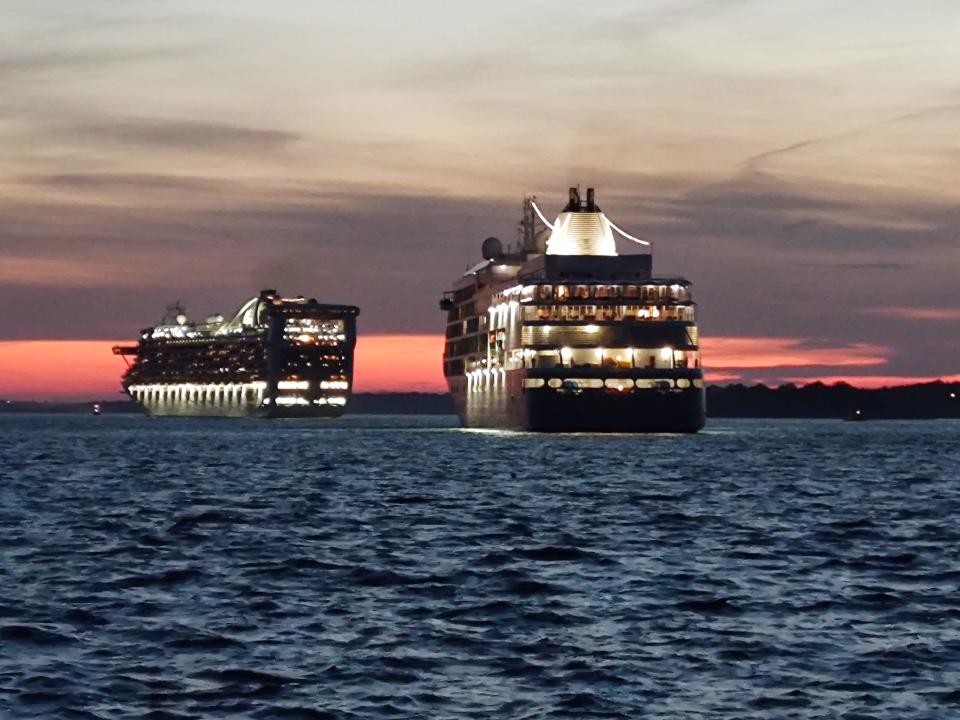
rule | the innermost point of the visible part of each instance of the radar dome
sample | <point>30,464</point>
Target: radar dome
<point>492,248</point>
<point>182,319</point>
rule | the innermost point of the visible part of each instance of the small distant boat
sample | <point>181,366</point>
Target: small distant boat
<point>855,416</point>
<point>96,409</point>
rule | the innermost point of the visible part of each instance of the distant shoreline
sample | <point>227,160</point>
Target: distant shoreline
<point>816,400</point>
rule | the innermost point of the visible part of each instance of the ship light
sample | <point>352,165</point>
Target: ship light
<point>305,338</point>
<point>591,329</point>
<point>666,352</point>
<point>656,312</point>
<point>293,385</point>
<point>566,353</point>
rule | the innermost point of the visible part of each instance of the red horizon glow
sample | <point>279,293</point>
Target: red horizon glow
<point>86,369</point>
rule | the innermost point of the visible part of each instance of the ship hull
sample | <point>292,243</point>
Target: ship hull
<point>648,412</point>
<point>507,405</point>
<point>185,409</point>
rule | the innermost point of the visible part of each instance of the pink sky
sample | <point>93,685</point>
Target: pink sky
<point>86,369</point>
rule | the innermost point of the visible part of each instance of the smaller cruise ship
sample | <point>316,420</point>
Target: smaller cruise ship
<point>276,357</point>
<point>566,334</point>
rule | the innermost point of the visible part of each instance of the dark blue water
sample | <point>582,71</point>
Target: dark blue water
<point>401,568</point>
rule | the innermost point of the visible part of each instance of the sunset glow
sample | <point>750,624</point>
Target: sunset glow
<point>87,369</point>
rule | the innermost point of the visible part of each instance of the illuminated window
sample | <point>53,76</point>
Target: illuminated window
<point>590,383</point>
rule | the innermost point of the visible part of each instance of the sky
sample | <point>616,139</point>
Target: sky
<point>797,160</point>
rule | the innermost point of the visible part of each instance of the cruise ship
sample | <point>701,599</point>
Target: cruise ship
<point>276,357</point>
<point>565,334</point>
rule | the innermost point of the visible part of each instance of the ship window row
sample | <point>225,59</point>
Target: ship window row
<point>652,293</point>
<point>618,384</point>
<point>663,358</point>
<point>295,325</point>
<point>462,311</point>
<point>466,346</point>
<point>240,363</point>
<point>661,313</point>
<point>608,335</point>
<point>467,327</point>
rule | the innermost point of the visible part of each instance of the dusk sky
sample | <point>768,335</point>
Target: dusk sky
<point>797,160</point>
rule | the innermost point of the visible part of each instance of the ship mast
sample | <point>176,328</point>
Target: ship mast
<point>527,227</point>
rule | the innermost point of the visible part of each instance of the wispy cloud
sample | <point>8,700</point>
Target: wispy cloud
<point>193,135</point>
<point>916,313</point>
<point>748,353</point>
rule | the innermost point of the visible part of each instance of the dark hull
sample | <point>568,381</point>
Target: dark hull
<point>236,410</point>
<point>637,412</point>
<point>510,407</point>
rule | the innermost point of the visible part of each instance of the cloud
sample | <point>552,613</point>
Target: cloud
<point>192,135</point>
<point>52,272</point>
<point>749,353</point>
<point>753,164</point>
<point>916,313</point>
<point>123,182</point>
<point>23,66</point>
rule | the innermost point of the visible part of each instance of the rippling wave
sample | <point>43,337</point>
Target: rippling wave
<point>401,568</point>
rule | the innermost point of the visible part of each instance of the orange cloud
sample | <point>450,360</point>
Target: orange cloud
<point>46,271</point>
<point>915,313</point>
<point>739,353</point>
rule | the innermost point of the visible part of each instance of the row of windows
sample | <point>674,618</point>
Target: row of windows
<point>652,293</point>
<point>610,312</point>
<point>664,358</point>
<point>613,383</point>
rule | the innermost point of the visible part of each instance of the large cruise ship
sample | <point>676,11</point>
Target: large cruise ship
<point>277,357</point>
<point>565,334</point>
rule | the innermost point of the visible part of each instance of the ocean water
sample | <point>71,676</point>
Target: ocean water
<point>399,567</point>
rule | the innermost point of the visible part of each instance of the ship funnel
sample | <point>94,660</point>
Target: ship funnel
<point>581,229</point>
